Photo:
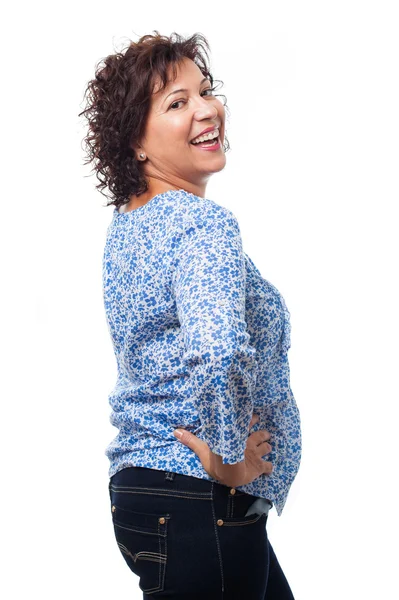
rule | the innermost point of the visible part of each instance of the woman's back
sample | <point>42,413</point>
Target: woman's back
<point>185,356</point>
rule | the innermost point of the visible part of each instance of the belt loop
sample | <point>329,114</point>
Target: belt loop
<point>169,475</point>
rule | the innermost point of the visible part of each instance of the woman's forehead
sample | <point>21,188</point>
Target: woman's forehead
<point>187,75</point>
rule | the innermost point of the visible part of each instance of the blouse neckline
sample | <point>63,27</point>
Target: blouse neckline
<point>144,207</point>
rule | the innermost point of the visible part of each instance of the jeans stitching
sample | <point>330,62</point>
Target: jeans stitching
<point>143,555</point>
<point>163,561</point>
<point>154,556</point>
<point>137,529</point>
<point>217,540</point>
<point>140,487</point>
<point>166,553</point>
<point>160,552</point>
<point>156,492</point>
<point>229,506</point>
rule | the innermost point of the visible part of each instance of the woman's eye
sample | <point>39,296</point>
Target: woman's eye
<point>210,90</point>
<point>178,101</point>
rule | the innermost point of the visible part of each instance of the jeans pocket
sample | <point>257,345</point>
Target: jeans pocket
<point>244,548</point>
<point>241,521</point>
<point>142,538</point>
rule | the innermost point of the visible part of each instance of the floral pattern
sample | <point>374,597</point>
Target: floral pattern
<point>200,340</point>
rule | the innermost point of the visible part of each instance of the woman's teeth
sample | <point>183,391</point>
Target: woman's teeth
<point>208,136</point>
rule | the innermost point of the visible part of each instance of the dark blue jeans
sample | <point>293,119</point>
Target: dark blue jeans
<point>189,539</point>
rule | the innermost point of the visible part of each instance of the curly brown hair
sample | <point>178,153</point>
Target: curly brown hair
<point>118,102</point>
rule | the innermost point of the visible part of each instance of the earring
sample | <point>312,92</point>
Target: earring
<point>142,155</point>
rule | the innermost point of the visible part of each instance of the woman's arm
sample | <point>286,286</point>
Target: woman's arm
<point>208,283</point>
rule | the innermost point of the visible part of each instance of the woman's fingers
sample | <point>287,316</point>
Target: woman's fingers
<point>255,419</point>
<point>264,448</point>
<point>259,436</point>
<point>267,467</point>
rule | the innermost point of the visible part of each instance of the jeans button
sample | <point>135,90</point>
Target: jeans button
<point>219,521</point>
<point>232,491</point>
<point>162,520</point>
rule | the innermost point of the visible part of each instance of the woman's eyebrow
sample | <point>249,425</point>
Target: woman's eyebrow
<point>184,89</point>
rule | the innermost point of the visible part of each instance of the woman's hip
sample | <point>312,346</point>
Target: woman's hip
<point>182,534</point>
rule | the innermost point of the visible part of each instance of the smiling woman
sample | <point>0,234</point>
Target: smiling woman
<point>200,338</point>
<point>178,115</point>
<point>144,107</point>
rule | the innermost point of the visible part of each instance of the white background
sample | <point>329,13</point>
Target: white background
<point>312,177</point>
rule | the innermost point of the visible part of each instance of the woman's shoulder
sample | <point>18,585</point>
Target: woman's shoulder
<point>197,205</point>
<point>196,211</point>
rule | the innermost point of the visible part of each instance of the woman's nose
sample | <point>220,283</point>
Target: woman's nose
<point>205,110</point>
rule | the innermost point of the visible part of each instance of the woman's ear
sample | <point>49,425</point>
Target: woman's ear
<point>135,145</point>
<point>139,153</point>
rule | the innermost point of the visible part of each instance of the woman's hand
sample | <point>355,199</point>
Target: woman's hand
<point>257,446</point>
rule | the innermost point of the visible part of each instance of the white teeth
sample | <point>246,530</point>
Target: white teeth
<point>208,136</point>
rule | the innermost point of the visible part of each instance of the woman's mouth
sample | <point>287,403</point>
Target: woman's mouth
<point>208,144</point>
<point>213,143</point>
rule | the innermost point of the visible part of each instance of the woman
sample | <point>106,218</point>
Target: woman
<point>200,338</point>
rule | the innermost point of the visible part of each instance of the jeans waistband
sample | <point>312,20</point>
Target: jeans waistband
<point>135,475</point>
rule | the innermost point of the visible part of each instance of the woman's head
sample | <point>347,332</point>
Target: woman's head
<point>140,128</point>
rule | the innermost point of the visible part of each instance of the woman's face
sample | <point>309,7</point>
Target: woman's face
<point>176,118</point>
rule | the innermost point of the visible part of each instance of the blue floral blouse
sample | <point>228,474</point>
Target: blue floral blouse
<point>200,340</point>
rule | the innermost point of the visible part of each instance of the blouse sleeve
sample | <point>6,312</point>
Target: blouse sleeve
<point>209,291</point>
